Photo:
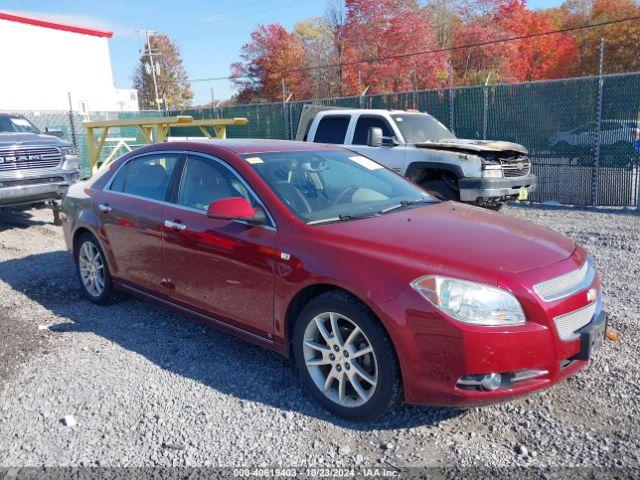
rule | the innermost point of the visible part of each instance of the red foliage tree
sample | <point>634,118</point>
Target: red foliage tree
<point>273,55</point>
<point>383,28</point>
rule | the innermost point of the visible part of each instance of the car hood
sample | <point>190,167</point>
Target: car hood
<point>454,239</point>
<point>472,146</point>
<point>11,139</point>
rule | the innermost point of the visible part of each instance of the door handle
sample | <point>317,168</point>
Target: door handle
<point>174,225</point>
<point>104,207</point>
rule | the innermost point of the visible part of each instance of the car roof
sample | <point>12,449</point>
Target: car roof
<point>376,111</point>
<point>242,146</point>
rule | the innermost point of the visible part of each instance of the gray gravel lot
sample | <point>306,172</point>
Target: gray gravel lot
<point>135,385</point>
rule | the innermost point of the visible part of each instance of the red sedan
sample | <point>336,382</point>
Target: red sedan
<point>376,289</point>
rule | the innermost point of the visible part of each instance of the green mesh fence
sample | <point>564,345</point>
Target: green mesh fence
<point>558,121</point>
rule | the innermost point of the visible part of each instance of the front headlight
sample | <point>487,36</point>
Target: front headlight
<point>470,302</point>
<point>70,156</point>
<point>69,151</point>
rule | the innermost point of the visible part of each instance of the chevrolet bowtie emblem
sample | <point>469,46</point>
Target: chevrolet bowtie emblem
<point>592,294</point>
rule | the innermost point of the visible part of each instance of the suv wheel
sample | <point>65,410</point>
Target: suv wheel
<point>92,270</point>
<point>345,357</point>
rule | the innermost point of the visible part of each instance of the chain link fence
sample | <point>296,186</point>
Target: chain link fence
<point>582,154</point>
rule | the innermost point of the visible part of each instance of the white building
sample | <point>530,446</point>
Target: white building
<point>44,61</point>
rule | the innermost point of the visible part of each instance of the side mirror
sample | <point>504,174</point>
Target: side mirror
<point>374,138</point>
<point>56,132</point>
<point>236,208</point>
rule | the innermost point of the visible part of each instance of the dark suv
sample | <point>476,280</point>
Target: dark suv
<point>35,169</point>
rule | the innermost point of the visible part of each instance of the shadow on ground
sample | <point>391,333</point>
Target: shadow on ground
<point>184,347</point>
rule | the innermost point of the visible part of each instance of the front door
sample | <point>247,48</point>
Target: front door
<point>130,211</point>
<point>222,268</point>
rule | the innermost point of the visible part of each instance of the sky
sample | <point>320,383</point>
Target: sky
<point>210,33</point>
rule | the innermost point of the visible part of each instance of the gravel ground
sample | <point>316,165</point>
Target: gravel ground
<point>135,385</point>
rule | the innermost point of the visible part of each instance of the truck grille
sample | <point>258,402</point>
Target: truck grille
<point>28,158</point>
<point>515,167</point>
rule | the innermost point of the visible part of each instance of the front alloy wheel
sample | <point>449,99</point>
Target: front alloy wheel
<point>345,357</point>
<point>340,359</point>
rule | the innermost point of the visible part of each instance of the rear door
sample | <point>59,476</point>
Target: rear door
<point>224,269</point>
<point>332,129</point>
<point>130,209</point>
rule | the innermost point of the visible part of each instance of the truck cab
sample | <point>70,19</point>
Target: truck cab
<point>421,148</point>
<point>36,169</point>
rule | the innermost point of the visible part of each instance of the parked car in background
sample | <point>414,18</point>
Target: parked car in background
<point>416,145</point>
<point>35,169</point>
<point>618,135</point>
<point>378,290</point>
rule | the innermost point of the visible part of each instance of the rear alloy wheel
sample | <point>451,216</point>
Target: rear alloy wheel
<point>92,270</point>
<point>345,357</point>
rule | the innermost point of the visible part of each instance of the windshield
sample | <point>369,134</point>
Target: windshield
<point>331,185</point>
<point>16,124</point>
<point>420,127</point>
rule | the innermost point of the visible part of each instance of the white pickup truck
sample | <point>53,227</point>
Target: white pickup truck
<point>418,146</point>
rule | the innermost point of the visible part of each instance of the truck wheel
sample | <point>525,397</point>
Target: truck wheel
<point>441,190</point>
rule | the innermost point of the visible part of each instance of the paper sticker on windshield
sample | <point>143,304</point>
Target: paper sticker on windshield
<point>21,122</point>
<point>366,163</point>
<point>254,160</point>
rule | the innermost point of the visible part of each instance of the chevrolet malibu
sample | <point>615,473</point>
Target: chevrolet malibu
<point>376,289</point>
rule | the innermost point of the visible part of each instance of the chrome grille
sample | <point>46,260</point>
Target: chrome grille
<point>567,324</point>
<point>28,158</point>
<point>515,167</point>
<point>567,284</point>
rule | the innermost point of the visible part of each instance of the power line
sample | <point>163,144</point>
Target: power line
<point>442,50</point>
<point>461,47</point>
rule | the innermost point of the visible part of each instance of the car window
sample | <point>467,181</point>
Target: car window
<point>334,185</point>
<point>16,124</point>
<point>205,180</point>
<point>148,176</point>
<point>365,122</point>
<point>421,127</point>
<point>117,184</point>
<point>332,129</point>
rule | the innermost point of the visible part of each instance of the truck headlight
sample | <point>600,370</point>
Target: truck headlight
<point>470,302</point>
<point>70,156</point>
<point>69,151</point>
<point>492,171</point>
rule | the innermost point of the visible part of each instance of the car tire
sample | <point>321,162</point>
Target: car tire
<point>100,291</point>
<point>441,189</point>
<point>371,381</point>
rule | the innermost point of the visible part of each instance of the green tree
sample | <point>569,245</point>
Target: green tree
<point>173,83</point>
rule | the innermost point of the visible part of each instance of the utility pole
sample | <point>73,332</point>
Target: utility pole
<point>213,98</point>
<point>153,67</point>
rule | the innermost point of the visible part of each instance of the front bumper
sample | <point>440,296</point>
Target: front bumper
<point>471,189</point>
<point>36,189</point>
<point>436,352</point>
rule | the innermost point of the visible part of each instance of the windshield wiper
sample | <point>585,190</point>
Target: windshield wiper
<point>343,217</point>
<point>402,204</point>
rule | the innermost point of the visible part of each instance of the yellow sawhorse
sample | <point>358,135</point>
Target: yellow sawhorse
<point>154,130</point>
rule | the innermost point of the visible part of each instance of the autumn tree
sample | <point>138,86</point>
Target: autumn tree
<point>386,29</point>
<point>621,39</point>
<point>540,56</point>
<point>320,50</point>
<point>273,56</point>
<point>172,80</point>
